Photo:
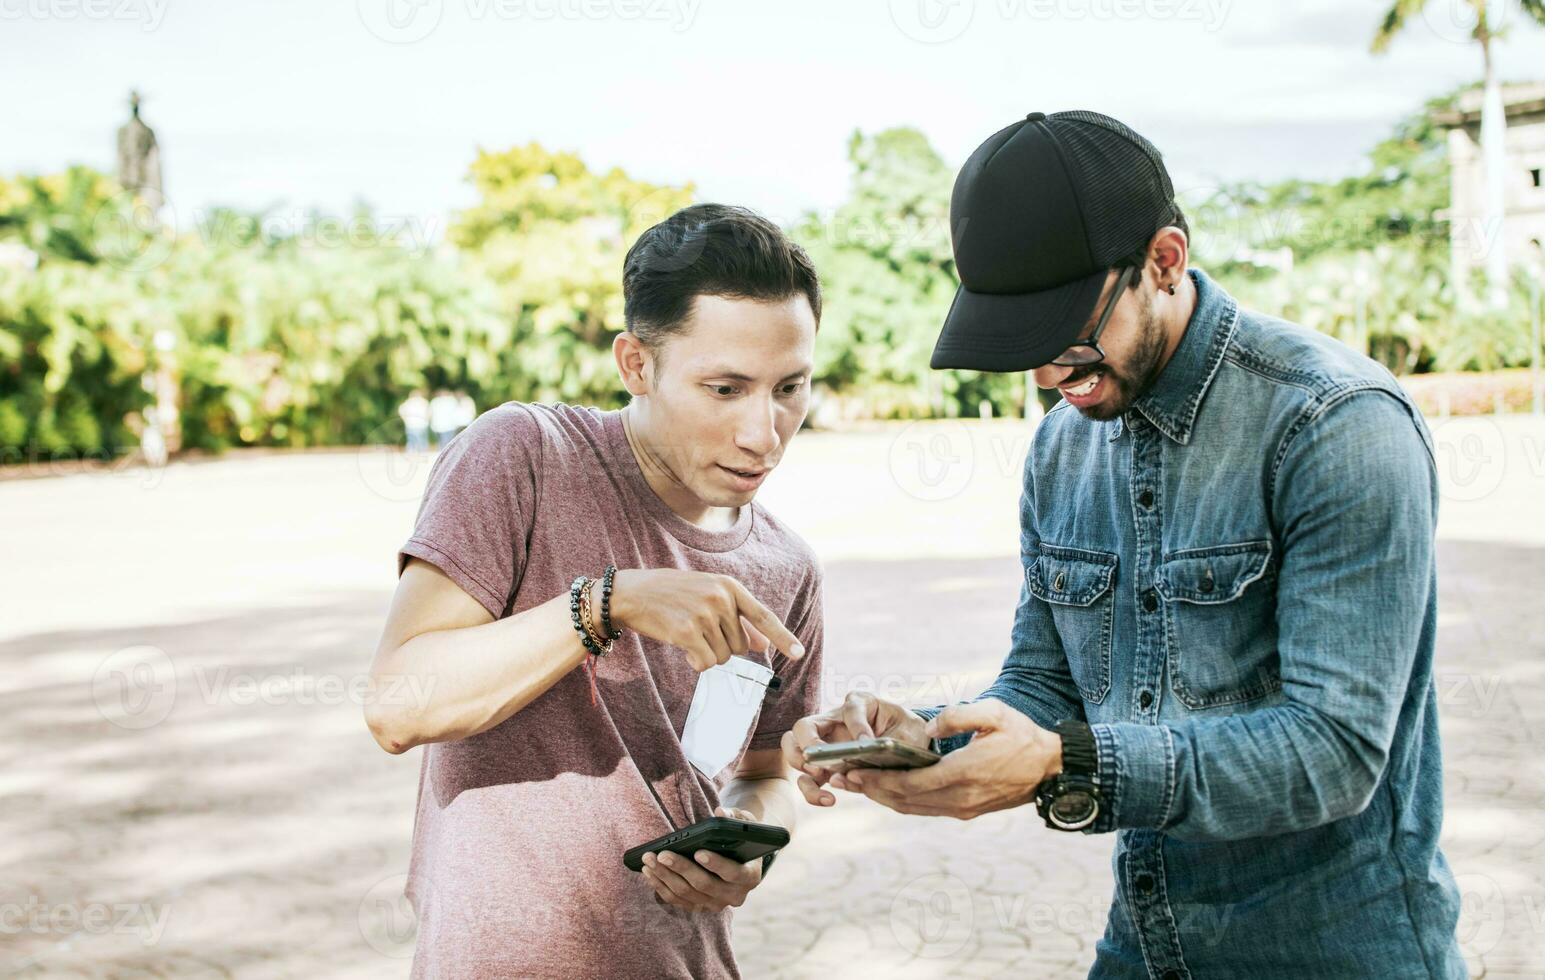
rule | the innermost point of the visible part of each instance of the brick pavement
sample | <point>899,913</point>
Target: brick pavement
<point>224,813</point>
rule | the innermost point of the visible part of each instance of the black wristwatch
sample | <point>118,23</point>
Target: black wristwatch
<point>1070,800</point>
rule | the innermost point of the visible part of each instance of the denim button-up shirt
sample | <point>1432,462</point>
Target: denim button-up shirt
<point>1234,584</point>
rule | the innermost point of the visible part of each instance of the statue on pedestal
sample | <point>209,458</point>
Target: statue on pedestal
<point>139,159</point>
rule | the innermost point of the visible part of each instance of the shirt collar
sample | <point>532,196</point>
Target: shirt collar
<point>1171,404</point>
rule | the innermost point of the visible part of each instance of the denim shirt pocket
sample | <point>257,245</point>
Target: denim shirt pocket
<point>1077,585</point>
<point>1220,620</point>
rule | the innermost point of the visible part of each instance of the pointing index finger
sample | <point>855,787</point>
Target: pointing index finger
<point>770,626</point>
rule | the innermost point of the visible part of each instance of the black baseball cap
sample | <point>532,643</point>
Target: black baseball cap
<point>1040,213</point>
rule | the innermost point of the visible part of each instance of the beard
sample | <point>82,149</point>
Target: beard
<point>1133,379</point>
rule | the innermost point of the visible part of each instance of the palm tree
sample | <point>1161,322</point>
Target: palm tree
<point>1493,124</point>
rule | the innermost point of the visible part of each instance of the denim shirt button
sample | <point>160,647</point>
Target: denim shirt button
<point>1170,975</point>
<point>1150,600</point>
<point>1061,581</point>
<point>1144,882</point>
<point>1145,699</point>
<point>1146,499</point>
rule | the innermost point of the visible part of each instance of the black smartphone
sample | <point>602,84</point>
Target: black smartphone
<point>739,840</point>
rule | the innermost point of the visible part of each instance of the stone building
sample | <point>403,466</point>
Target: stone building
<point>1524,168</point>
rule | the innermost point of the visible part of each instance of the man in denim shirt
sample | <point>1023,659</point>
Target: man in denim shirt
<point>1224,641</point>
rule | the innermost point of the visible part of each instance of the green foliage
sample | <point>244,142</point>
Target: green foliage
<point>889,277</point>
<point>552,235</point>
<point>309,337</point>
<point>313,336</point>
<point>1371,260</point>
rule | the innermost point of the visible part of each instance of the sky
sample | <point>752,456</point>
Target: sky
<point>293,104</point>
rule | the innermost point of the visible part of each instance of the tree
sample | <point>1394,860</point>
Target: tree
<point>553,235</point>
<point>888,274</point>
<point>1493,122</point>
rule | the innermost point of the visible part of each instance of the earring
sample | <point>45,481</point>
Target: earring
<point>1172,289</point>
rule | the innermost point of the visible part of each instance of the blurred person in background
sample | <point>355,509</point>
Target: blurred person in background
<point>414,412</point>
<point>443,412</point>
<point>466,410</point>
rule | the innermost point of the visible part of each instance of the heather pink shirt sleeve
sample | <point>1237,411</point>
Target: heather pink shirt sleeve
<point>801,679</point>
<point>475,520</point>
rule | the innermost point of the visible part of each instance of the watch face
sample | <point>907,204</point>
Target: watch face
<point>1074,809</point>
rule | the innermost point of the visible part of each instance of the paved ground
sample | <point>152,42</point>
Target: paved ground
<point>186,788</point>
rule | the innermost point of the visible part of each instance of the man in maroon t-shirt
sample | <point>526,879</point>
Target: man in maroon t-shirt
<point>536,777</point>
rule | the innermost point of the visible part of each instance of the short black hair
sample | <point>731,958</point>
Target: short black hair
<point>1139,258</point>
<point>710,250</point>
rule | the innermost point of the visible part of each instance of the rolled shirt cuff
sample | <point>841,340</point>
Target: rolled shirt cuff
<point>1136,776</point>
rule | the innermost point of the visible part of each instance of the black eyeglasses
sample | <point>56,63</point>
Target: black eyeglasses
<point>1083,352</point>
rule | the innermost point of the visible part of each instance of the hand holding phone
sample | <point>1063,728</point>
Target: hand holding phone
<point>738,840</point>
<point>876,753</point>
<point>861,715</point>
<point>711,865</point>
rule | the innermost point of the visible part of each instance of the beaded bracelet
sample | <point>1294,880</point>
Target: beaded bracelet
<point>592,649</point>
<point>577,597</point>
<point>587,605</point>
<point>607,578</point>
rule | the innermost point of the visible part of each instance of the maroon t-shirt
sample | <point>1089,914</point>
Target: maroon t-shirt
<point>517,846</point>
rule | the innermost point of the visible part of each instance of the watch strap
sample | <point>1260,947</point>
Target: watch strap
<point>1080,754</point>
